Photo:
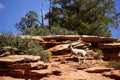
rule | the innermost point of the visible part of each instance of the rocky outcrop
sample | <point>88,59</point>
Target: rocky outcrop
<point>60,38</point>
<point>18,58</point>
<point>30,67</point>
<point>97,39</point>
<point>5,54</point>
<point>64,47</point>
<point>57,43</point>
<point>38,38</point>
<point>110,50</point>
<point>23,66</point>
<point>109,45</point>
<point>36,65</point>
<point>71,70</point>
<point>84,38</point>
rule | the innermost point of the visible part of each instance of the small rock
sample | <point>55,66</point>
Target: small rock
<point>57,72</point>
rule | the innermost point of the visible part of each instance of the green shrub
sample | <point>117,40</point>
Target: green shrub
<point>114,63</point>
<point>9,40</point>
<point>42,31</point>
<point>47,30</point>
<point>96,53</point>
<point>99,51</point>
<point>35,49</point>
<point>61,31</point>
<point>46,56</point>
<point>6,40</point>
<point>30,47</point>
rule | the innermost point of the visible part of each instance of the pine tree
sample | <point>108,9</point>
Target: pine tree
<point>89,17</point>
<point>30,20</point>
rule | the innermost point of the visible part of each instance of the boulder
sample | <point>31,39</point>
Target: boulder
<point>97,69</point>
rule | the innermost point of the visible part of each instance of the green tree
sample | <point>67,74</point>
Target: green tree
<point>47,30</point>
<point>30,20</point>
<point>90,17</point>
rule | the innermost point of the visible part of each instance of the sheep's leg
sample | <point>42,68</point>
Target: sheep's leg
<point>78,58</point>
<point>84,58</point>
<point>71,55</point>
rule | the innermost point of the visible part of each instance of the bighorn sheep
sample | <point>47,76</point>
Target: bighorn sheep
<point>78,52</point>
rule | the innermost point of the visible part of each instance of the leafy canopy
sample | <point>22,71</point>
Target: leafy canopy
<point>91,17</point>
<point>28,21</point>
<point>83,17</point>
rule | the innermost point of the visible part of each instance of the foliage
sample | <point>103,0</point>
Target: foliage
<point>114,63</point>
<point>6,40</point>
<point>28,21</point>
<point>96,53</point>
<point>42,31</point>
<point>57,30</point>
<point>30,47</point>
<point>91,17</point>
<point>46,56</point>
<point>13,41</point>
<point>35,49</point>
<point>46,30</point>
<point>99,51</point>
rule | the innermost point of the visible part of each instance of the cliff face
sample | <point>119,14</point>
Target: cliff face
<point>25,67</point>
<point>58,44</point>
<point>62,67</point>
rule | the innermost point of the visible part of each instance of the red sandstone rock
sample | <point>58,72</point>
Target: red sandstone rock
<point>109,45</point>
<point>97,69</point>
<point>18,58</point>
<point>115,74</point>
<point>35,65</point>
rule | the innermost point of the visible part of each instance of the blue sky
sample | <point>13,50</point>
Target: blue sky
<point>11,12</point>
